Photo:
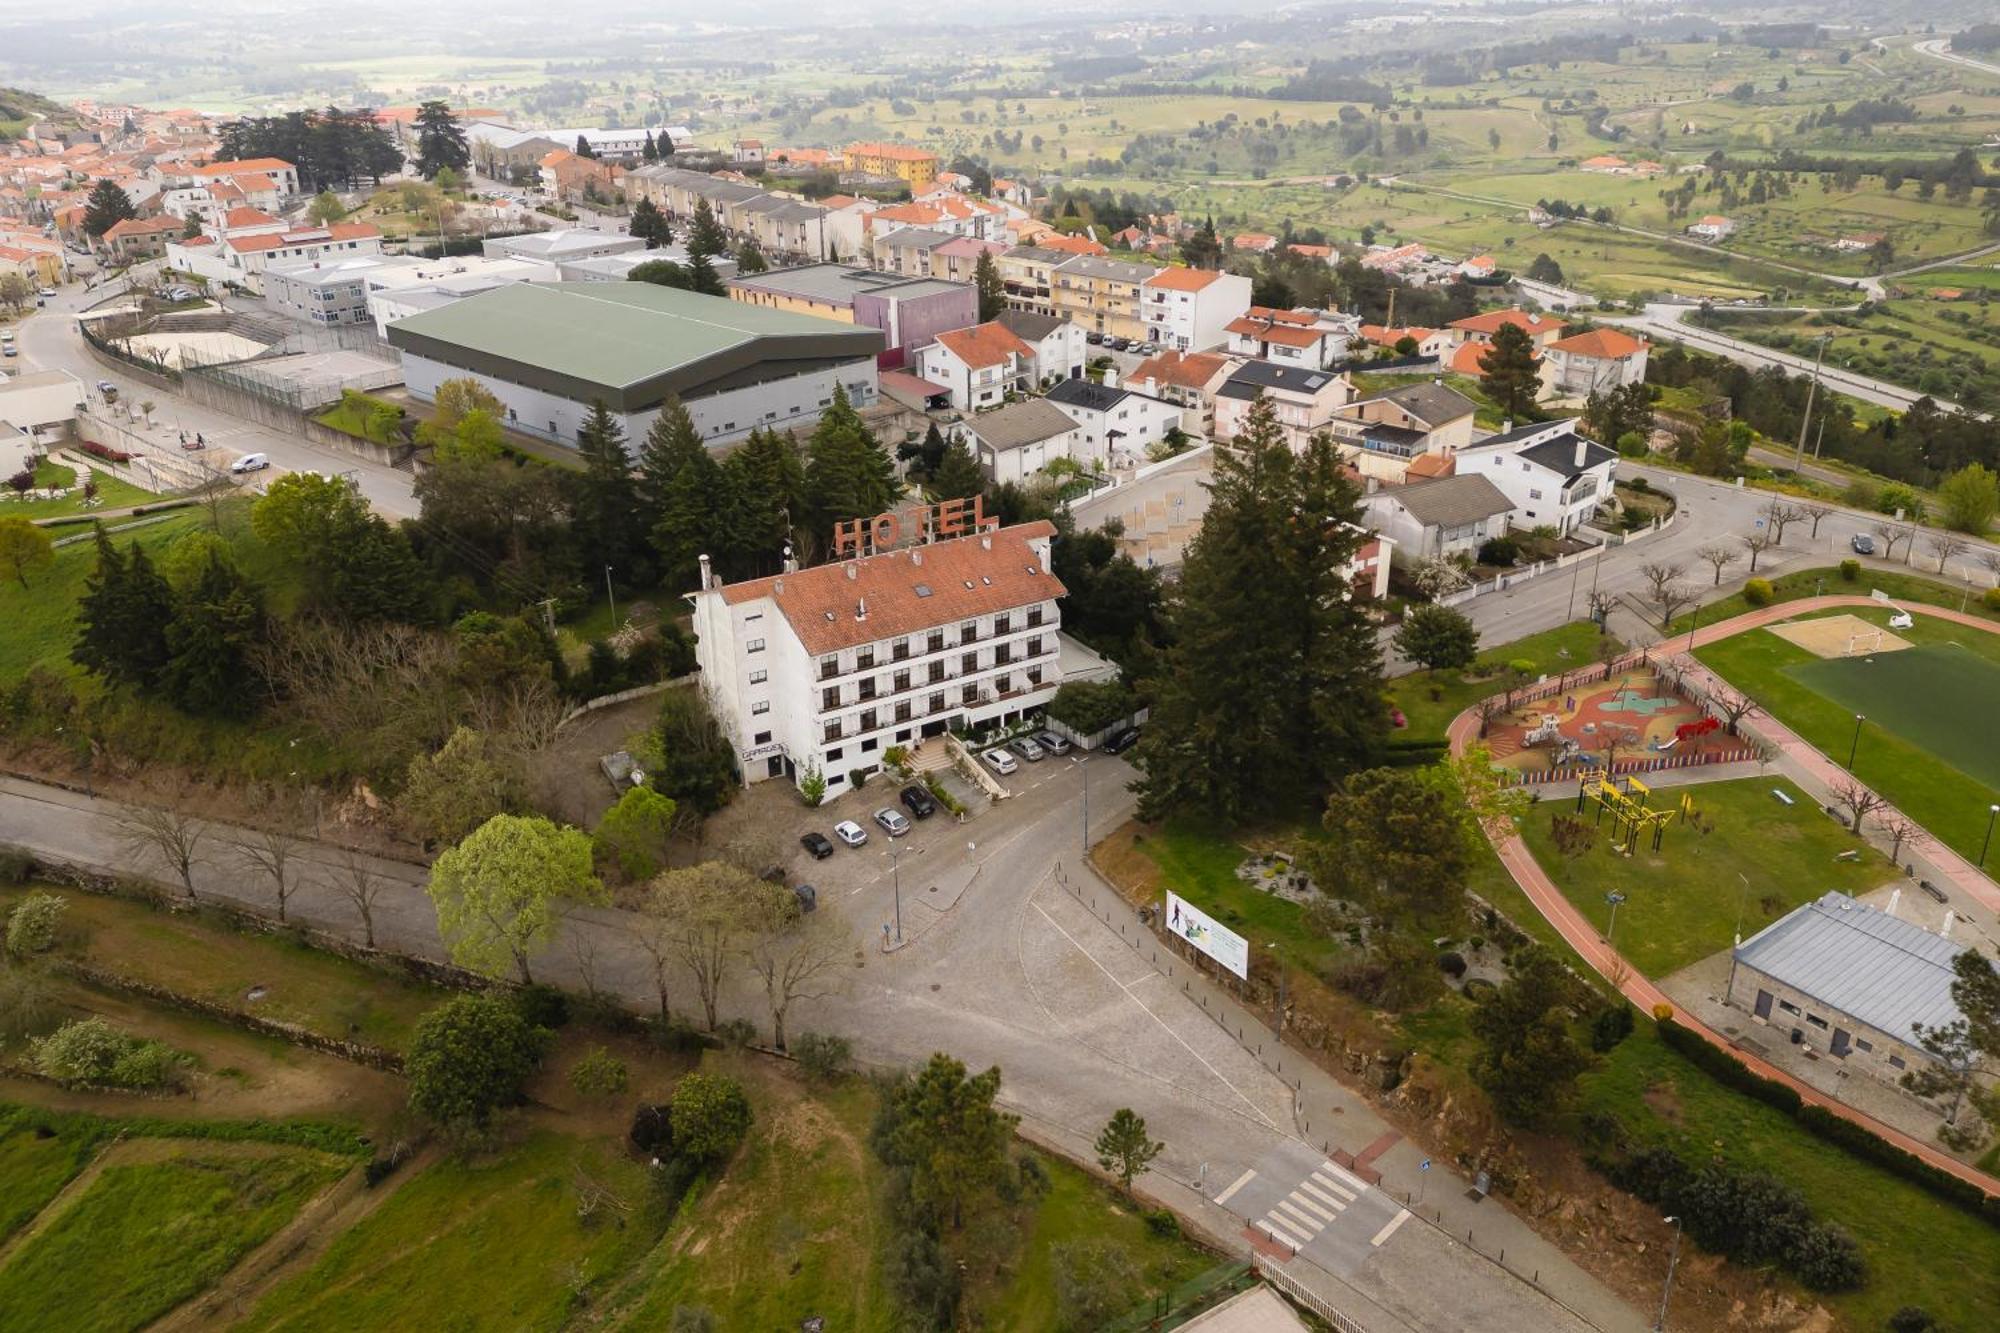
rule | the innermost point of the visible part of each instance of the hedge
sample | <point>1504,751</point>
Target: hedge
<point>1857,1139</point>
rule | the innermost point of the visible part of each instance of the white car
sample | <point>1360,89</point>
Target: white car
<point>850,833</point>
<point>46,292</point>
<point>250,463</point>
<point>1001,762</point>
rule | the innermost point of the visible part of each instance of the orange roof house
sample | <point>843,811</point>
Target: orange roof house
<point>984,345</point>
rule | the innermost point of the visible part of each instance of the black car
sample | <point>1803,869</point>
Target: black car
<point>920,802</point>
<point>1862,543</point>
<point>818,844</point>
<point>1122,742</point>
<point>1094,338</point>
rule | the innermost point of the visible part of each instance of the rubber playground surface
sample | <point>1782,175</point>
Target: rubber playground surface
<point>1940,696</point>
<point>1634,705</point>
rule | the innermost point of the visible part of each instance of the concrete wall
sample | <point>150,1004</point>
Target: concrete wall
<point>1888,1058</point>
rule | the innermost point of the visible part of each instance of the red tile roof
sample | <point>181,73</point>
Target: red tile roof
<point>1493,320</point>
<point>246,217</point>
<point>247,164</point>
<point>142,227</point>
<point>1182,279</point>
<point>1470,359</point>
<point>1185,370</point>
<point>894,152</point>
<point>1277,326</point>
<point>1388,337</point>
<point>964,577</point>
<point>339,231</point>
<point>984,344</point>
<point>1609,344</point>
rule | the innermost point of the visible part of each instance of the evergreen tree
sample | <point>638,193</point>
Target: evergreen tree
<point>848,474</point>
<point>583,148</point>
<point>605,513</point>
<point>767,483</point>
<point>683,495</point>
<point>440,141</point>
<point>1512,374</point>
<point>123,617</point>
<point>372,573</point>
<point>992,296</point>
<point>701,277</point>
<point>107,206</point>
<point>209,641</point>
<point>957,476</point>
<point>1273,683</point>
<point>661,273</point>
<point>705,234</point>
<point>750,257</point>
<point>1204,248</point>
<point>650,152</point>
<point>650,225</point>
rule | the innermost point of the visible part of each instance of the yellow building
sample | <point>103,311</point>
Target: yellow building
<point>915,167</point>
<point>1101,295</point>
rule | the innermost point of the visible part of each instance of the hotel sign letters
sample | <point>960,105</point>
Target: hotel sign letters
<point>886,532</point>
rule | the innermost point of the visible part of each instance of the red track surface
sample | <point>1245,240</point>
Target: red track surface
<point>1583,937</point>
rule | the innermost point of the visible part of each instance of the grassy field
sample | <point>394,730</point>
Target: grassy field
<point>1201,867</point>
<point>41,618</point>
<point>1948,802</point>
<point>111,494</point>
<point>1431,700</point>
<point>1763,858</point>
<point>146,1235</point>
<point>1812,582</point>
<point>1950,348</point>
<point>1937,696</point>
<point>1919,1251</point>
<point>34,1167</point>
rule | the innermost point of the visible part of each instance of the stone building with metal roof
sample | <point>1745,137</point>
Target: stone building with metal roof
<point>1848,981</point>
<point>550,350</point>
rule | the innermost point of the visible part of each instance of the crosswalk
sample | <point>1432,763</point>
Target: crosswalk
<point>1317,1203</point>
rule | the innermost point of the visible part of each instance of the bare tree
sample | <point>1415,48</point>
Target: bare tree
<point>1601,603</point>
<point>1720,556</point>
<point>656,935</point>
<point>1757,543</point>
<point>1815,511</point>
<point>1733,707</point>
<point>1891,533</point>
<point>1945,545</point>
<point>580,934</point>
<point>357,882</point>
<point>173,837</point>
<point>791,953</point>
<point>1613,740</point>
<point>1781,514</point>
<point>271,850</point>
<point>1488,709</point>
<point>1857,800</point>
<point>1903,831</point>
<point>1665,589</point>
<point>705,907</point>
<point>1991,560</point>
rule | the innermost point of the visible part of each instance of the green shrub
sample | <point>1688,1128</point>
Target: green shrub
<point>1088,707</point>
<point>542,1006</point>
<point>1850,570</point>
<point>711,1115</point>
<point>1612,1025</point>
<point>1990,599</point>
<point>599,1074</point>
<point>1758,592</point>
<point>91,1051</point>
<point>32,927</point>
<point>1499,551</point>
<point>822,1056</point>
<point>469,1058</point>
<point>1162,1222</point>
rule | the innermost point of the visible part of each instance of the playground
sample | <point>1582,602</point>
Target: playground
<point>1633,714</point>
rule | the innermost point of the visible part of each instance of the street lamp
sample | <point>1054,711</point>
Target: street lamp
<point>1611,931</point>
<point>1673,1259</point>
<point>1740,897</point>
<point>896,871</point>
<point>609,598</point>
<point>1855,744</point>
<point>1992,811</point>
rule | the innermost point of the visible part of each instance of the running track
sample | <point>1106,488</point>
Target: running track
<point>1795,754</point>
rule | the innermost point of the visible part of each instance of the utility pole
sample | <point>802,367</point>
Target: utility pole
<point>1812,389</point>
<point>1673,1261</point>
<point>611,599</point>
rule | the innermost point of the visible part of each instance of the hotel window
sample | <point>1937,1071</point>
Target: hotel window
<point>1034,677</point>
<point>829,667</point>
<point>832,732</point>
<point>868,720</point>
<point>759,708</point>
<point>761,738</point>
<point>754,646</point>
<point>969,663</point>
<point>935,643</point>
<point>829,698</point>
<point>1002,684</point>
<point>968,632</point>
<point>937,672</point>
<point>1001,624</point>
<point>835,753</point>
<point>937,702</point>
<point>969,694</point>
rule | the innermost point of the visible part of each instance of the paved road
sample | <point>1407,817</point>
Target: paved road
<point>1041,970</point>
<point>1939,48</point>
<point>1816,775</point>
<point>49,341</point>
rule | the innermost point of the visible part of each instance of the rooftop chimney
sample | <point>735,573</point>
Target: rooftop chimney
<point>861,608</point>
<point>777,587</point>
<point>1582,450</point>
<point>707,579</point>
<point>916,556</point>
<point>985,541</point>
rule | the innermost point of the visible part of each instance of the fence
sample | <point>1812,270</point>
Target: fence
<point>1642,764</point>
<point>1502,582</point>
<point>1297,1291</point>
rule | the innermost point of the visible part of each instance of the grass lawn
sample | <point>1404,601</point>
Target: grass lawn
<point>1681,902</point>
<point>191,955</point>
<point>469,1244</point>
<point>112,493</point>
<point>1201,867</point>
<point>147,1235</point>
<point>1949,802</point>
<point>1430,701</point>
<point>33,1168</point>
<point>41,618</point>
<point>1919,1251</point>
<point>354,415</point>
<point>1910,587</point>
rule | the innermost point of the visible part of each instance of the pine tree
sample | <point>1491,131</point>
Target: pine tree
<point>1203,249</point>
<point>1511,374</point>
<point>214,629</point>
<point>107,206</point>
<point>750,257</point>
<point>123,617</point>
<point>702,278</point>
<point>1272,684</point>
<point>373,574</point>
<point>683,495</point>
<point>440,141</point>
<point>605,516</point>
<point>705,234</point>
<point>957,476</point>
<point>767,482</point>
<point>992,296</point>
<point>650,152</point>
<point>650,225</point>
<point>848,474</point>
<point>583,148</point>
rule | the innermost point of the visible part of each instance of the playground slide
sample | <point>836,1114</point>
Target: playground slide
<point>1670,745</point>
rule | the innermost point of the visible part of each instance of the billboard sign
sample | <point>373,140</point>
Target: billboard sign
<point>1218,941</point>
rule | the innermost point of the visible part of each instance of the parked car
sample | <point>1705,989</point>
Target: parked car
<point>818,844</point>
<point>250,463</point>
<point>46,291</point>
<point>1862,543</point>
<point>1051,742</point>
<point>850,833</point>
<point>920,802</point>
<point>892,822</point>
<point>1122,742</point>
<point>8,349</point>
<point>808,896</point>
<point>1026,747</point>
<point>1000,761</point>
<point>1121,344</point>
<point>1094,338</point>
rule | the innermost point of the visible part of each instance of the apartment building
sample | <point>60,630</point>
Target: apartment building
<point>915,167</point>
<point>1192,309</point>
<point>1102,295</point>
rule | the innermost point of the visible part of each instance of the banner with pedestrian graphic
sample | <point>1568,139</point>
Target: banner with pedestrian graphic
<point>1218,941</point>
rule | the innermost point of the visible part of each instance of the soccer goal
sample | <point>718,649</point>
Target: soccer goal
<point>1868,642</point>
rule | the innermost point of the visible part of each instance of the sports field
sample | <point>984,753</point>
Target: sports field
<point>1941,696</point>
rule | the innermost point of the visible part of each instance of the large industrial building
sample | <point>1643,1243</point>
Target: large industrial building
<point>549,350</point>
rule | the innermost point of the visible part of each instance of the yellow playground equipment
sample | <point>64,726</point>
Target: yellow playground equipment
<point>1625,800</point>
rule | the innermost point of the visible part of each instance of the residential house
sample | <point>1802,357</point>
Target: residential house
<point>1288,337</point>
<point>957,260</point>
<point>140,238</point>
<point>1605,164</point>
<point>1061,351</point>
<point>1714,227</point>
<point>907,251</point>
<point>1018,193</point>
<point>1306,399</point>
<point>1395,258</point>
<point>980,366</point>
<point>748,152</point>
<point>1431,520</point>
<point>1190,380</point>
<point>1117,426</point>
<point>283,173</point>
<point>1102,295</point>
<point>1073,243</point>
<point>1541,329</point>
<point>1253,242</point>
<point>1023,438</point>
<point>1595,361</point>
<point>1429,342</point>
<point>1552,476</point>
<point>1192,309</point>
<point>1325,254</point>
<point>242,259</point>
<point>1442,414</point>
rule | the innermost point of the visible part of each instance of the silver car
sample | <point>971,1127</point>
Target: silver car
<point>1026,747</point>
